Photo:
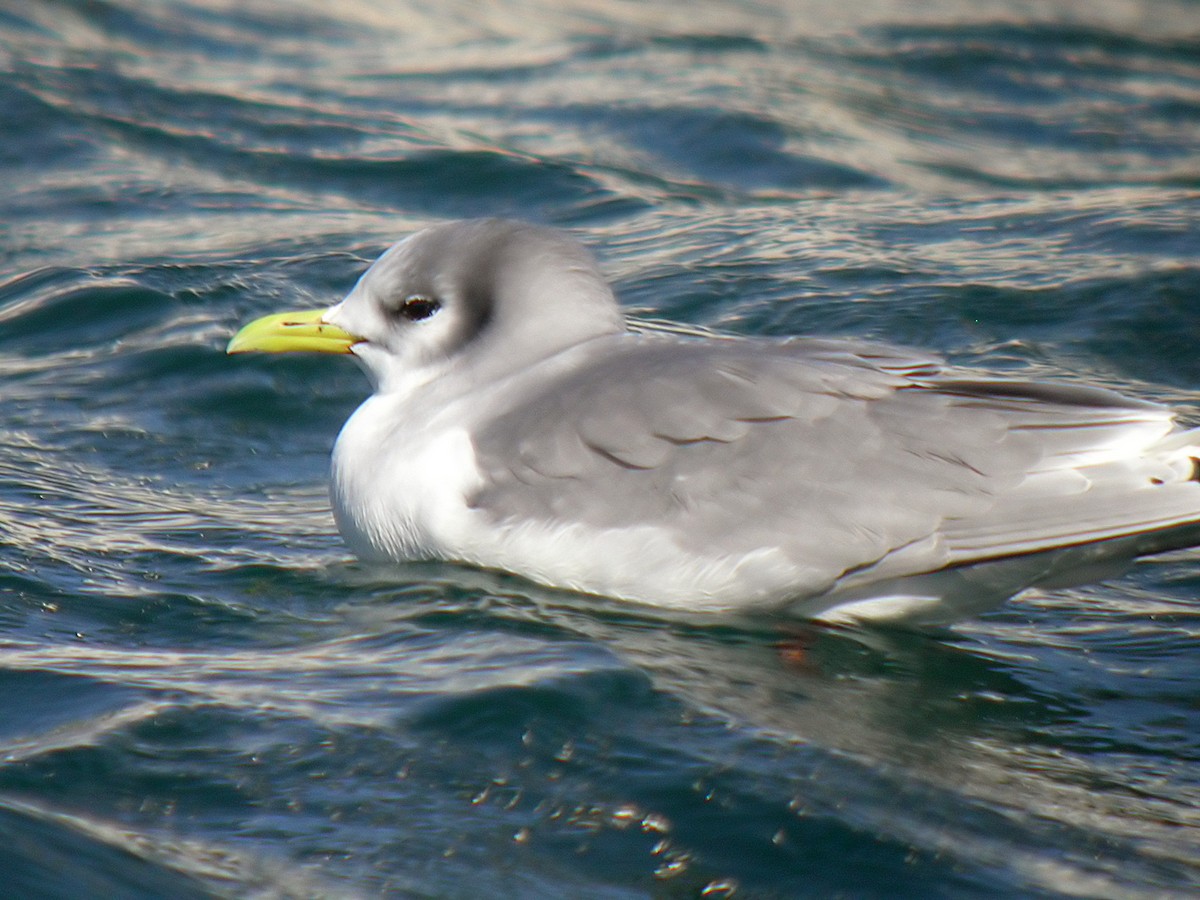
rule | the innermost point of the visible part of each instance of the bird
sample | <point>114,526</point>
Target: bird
<point>518,422</point>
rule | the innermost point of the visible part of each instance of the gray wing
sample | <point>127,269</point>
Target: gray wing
<point>843,455</point>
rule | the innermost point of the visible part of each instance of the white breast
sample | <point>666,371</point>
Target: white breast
<point>402,479</point>
<point>399,482</point>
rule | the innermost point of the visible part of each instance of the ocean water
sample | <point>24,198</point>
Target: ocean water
<point>202,694</point>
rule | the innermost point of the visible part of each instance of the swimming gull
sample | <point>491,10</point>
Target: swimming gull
<point>517,423</point>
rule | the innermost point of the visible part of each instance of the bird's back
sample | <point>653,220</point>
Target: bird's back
<point>807,468</point>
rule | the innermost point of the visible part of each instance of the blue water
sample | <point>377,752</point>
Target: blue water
<point>203,695</point>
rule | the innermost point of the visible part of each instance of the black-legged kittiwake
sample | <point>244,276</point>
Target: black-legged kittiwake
<point>517,423</point>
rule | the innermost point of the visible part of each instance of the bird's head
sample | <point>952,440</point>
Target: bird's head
<point>492,295</point>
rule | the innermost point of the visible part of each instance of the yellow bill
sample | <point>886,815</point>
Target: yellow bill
<point>292,332</point>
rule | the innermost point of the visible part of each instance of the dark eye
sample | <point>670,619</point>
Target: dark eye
<point>418,307</point>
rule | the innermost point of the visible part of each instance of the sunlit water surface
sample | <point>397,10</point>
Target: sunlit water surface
<point>203,695</point>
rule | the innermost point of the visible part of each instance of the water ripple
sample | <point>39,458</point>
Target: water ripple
<point>206,696</point>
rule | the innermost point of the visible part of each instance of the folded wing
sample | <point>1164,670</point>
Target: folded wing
<point>843,457</point>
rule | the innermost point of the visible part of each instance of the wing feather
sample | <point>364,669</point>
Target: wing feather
<point>837,455</point>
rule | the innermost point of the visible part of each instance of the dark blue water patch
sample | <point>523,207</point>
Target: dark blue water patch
<point>198,760</point>
<point>256,27</point>
<point>1002,85</point>
<point>1048,46</point>
<point>1001,311</point>
<point>410,823</point>
<point>698,43</point>
<point>323,270</point>
<point>118,349</point>
<point>602,210</point>
<point>1000,220</point>
<point>293,272</point>
<point>701,293</point>
<point>223,34</point>
<point>917,316</point>
<point>38,134</point>
<point>167,620</point>
<point>722,149</point>
<point>115,20</point>
<point>105,96</point>
<point>460,608</point>
<point>501,715</point>
<point>293,406</point>
<point>414,175</point>
<point>272,400</point>
<point>1025,63</point>
<point>289,591</point>
<point>962,691</point>
<point>1120,174</point>
<point>446,183</point>
<point>64,604</point>
<point>41,588</point>
<point>130,199</point>
<point>20,289</point>
<point>46,856</point>
<point>673,189</point>
<point>731,149</point>
<point>1116,319</point>
<point>37,701</point>
<point>1155,231</point>
<point>25,592</point>
<point>1156,734</point>
<point>583,47</point>
<point>548,767</point>
<point>1122,687</point>
<point>1148,325</point>
<point>1104,134</point>
<point>80,311</point>
<point>168,370</point>
<point>12,22</point>
<point>652,806</point>
<point>760,844</point>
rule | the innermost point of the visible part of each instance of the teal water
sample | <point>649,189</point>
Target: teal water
<point>203,695</point>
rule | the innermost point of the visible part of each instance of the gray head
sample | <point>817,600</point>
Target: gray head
<point>492,294</point>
